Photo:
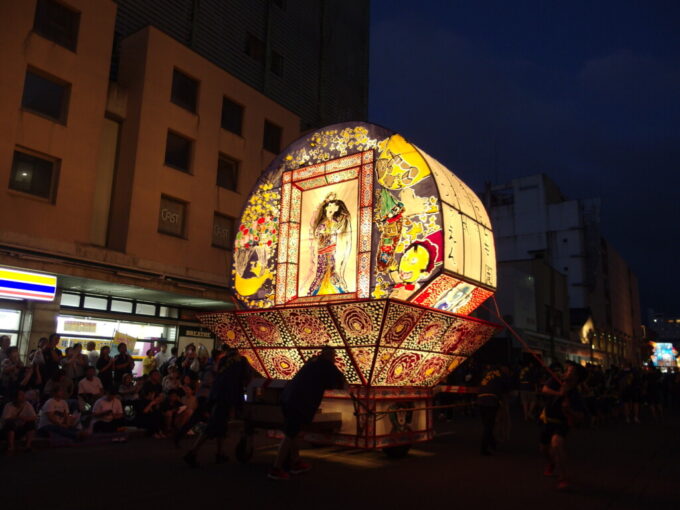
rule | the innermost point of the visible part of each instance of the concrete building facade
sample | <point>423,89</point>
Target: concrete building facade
<point>311,56</point>
<point>127,190</point>
<point>533,221</point>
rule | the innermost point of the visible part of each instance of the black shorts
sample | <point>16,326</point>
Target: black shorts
<point>553,429</point>
<point>293,421</point>
<point>219,418</point>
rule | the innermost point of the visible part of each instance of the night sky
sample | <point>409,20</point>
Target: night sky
<point>585,92</point>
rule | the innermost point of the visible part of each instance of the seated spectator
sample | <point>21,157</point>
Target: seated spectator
<point>148,415</point>
<point>128,389</point>
<point>172,408</point>
<point>55,418</point>
<point>18,420</point>
<point>107,413</point>
<point>59,380</point>
<point>153,383</point>
<point>105,367</point>
<point>171,381</point>
<point>149,362</point>
<point>89,389</point>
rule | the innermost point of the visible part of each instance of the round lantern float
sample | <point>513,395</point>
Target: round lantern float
<point>355,238</point>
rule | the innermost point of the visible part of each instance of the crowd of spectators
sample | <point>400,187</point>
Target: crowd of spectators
<point>77,394</point>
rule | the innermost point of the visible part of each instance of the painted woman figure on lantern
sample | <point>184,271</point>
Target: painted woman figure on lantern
<point>332,244</point>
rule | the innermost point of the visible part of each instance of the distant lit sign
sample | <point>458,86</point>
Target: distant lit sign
<point>664,355</point>
<point>24,285</point>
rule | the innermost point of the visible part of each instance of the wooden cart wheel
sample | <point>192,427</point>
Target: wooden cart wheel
<point>244,449</point>
<point>397,452</point>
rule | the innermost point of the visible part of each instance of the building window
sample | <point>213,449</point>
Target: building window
<point>227,173</point>
<point>57,22</point>
<point>232,116</point>
<point>172,216</point>
<point>254,48</point>
<point>34,175</point>
<point>272,137</point>
<point>96,303</point>
<point>145,309</point>
<point>46,96</point>
<point>184,91</point>
<point>223,231</point>
<point>178,152</point>
<point>276,64</point>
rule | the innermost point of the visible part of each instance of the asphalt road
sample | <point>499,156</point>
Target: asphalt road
<point>616,467</point>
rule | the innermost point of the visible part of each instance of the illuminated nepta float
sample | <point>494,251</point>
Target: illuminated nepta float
<point>356,238</point>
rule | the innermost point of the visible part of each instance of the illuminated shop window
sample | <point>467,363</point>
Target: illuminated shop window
<point>57,22</point>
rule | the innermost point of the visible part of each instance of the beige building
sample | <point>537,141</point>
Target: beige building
<point>127,191</point>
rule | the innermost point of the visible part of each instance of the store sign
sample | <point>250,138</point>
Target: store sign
<point>80,327</point>
<point>25,285</point>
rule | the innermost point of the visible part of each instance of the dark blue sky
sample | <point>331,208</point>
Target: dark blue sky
<point>586,92</point>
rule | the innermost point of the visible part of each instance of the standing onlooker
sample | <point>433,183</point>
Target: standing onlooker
<point>92,354</point>
<point>495,385</point>
<point>52,357</point>
<point>74,363</point>
<point>226,398</point>
<point>123,364</point>
<point>149,363</point>
<point>105,367</point>
<point>11,371</point>
<point>162,356</point>
<point>18,420</point>
<point>300,400</point>
<point>5,343</point>
<point>564,404</point>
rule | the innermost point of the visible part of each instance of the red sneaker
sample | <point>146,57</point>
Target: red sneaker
<point>278,474</point>
<point>563,485</point>
<point>549,469</point>
<point>299,467</point>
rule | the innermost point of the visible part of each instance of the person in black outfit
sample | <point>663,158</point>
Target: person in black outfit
<point>154,383</point>
<point>299,401</point>
<point>122,364</point>
<point>563,406</point>
<point>52,356</point>
<point>105,368</point>
<point>226,399</point>
<point>495,384</point>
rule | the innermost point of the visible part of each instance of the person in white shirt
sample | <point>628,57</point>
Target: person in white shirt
<point>18,420</point>
<point>89,389</point>
<point>162,356</point>
<point>92,354</point>
<point>56,419</point>
<point>107,413</point>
